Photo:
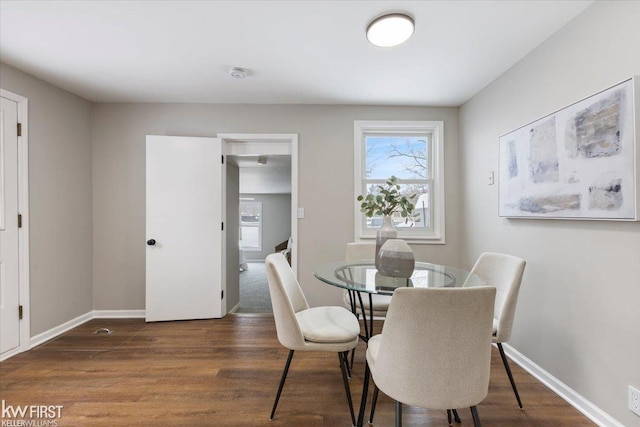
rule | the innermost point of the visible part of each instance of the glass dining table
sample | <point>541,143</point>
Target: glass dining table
<point>361,277</point>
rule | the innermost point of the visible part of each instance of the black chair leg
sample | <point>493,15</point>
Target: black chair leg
<point>374,399</point>
<point>476,418</point>
<point>398,414</point>
<point>506,367</point>
<point>365,391</point>
<point>343,366</point>
<point>284,377</point>
<point>456,417</point>
<point>449,420</point>
<point>346,356</point>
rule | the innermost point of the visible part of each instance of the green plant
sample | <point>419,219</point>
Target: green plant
<point>387,201</point>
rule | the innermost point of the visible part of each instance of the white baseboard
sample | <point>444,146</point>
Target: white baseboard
<point>572,397</point>
<point>95,314</point>
<point>59,330</point>
<point>118,314</point>
<point>235,308</point>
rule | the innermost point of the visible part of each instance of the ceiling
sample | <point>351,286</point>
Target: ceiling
<point>300,52</point>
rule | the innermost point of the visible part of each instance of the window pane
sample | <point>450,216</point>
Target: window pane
<point>250,237</point>
<point>251,225</point>
<point>422,216</point>
<point>250,212</point>
<point>401,156</point>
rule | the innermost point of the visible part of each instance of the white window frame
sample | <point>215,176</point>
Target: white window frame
<point>363,128</point>
<point>259,227</point>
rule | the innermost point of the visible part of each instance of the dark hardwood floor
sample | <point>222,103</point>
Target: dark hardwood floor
<point>225,372</point>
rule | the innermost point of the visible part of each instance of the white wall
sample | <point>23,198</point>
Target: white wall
<point>578,314</point>
<point>325,183</point>
<point>59,200</point>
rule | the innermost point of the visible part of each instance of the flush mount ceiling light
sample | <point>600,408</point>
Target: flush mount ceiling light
<point>390,30</point>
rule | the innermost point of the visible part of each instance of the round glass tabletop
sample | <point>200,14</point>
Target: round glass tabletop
<point>362,276</point>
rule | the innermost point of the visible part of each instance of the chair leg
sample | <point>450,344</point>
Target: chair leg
<point>449,420</point>
<point>456,417</point>
<point>284,377</point>
<point>374,399</point>
<point>398,414</point>
<point>506,367</point>
<point>343,367</point>
<point>346,355</point>
<point>365,391</point>
<point>476,418</point>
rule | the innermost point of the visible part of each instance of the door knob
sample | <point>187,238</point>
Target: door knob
<point>151,242</point>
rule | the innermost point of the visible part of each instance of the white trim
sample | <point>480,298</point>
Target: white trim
<point>261,142</point>
<point>73,323</point>
<point>60,329</point>
<point>23,209</point>
<point>235,308</point>
<point>572,397</point>
<point>118,314</point>
<point>394,127</point>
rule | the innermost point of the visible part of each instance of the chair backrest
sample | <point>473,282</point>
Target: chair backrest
<point>435,349</point>
<point>505,273</point>
<point>360,250</point>
<point>287,299</point>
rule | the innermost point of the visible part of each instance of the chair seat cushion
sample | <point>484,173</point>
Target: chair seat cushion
<point>380,302</point>
<point>328,325</point>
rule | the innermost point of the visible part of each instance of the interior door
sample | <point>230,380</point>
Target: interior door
<point>9,282</point>
<point>184,228</point>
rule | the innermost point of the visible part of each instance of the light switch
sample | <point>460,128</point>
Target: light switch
<point>300,213</point>
<point>491,178</point>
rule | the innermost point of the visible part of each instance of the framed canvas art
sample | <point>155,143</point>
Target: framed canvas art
<point>579,162</point>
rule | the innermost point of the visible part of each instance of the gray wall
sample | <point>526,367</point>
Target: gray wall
<point>59,200</point>
<point>325,183</point>
<point>578,314</point>
<point>276,222</point>
<point>232,234</point>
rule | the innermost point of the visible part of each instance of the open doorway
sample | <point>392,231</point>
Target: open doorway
<point>262,198</point>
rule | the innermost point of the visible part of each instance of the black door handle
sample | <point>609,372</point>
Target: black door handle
<point>151,242</point>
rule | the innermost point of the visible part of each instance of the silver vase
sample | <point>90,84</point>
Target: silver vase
<point>385,232</point>
<point>396,259</point>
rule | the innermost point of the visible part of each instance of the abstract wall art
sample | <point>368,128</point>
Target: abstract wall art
<point>579,162</point>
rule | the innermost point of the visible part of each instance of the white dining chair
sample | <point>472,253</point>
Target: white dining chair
<point>435,348</point>
<point>505,273</point>
<point>301,328</point>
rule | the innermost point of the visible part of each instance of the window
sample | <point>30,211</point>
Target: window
<point>250,225</point>
<point>412,152</point>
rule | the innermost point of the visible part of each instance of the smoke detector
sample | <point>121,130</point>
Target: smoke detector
<point>239,73</point>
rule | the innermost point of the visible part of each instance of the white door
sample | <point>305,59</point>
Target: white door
<point>9,283</point>
<point>184,221</point>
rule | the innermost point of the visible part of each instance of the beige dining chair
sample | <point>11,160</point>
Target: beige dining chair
<point>505,273</point>
<point>300,328</point>
<point>435,348</point>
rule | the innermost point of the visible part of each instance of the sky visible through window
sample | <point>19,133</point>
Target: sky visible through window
<point>404,157</point>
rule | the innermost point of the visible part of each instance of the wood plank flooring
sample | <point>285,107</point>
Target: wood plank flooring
<point>225,372</point>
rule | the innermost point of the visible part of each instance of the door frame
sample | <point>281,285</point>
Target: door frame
<point>23,232</point>
<point>265,144</point>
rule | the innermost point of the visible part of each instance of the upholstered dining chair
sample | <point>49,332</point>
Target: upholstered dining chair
<point>435,348</point>
<point>300,328</point>
<point>505,273</point>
